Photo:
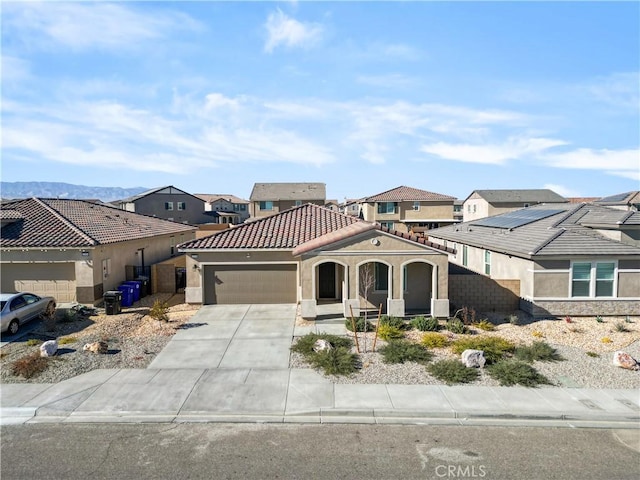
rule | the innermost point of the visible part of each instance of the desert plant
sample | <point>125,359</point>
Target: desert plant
<point>509,372</point>
<point>621,327</point>
<point>362,325</point>
<point>434,340</point>
<point>627,319</point>
<point>389,332</point>
<point>305,344</point>
<point>537,351</point>
<point>599,319</point>
<point>593,354</point>
<point>32,342</point>
<point>513,319</point>
<point>401,351</point>
<point>455,325</point>
<point>537,334</point>
<point>337,361</point>
<point>159,311</point>
<point>567,319</point>
<point>425,324</point>
<point>485,325</point>
<point>67,340</point>
<point>606,340</point>
<point>29,365</point>
<point>494,348</point>
<point>466,314</point>
<point>69,315</point>
<point>452,371</point>
<point>395,322</point>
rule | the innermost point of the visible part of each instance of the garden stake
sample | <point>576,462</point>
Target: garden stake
<point>377,326</point>
<point>353,325</point>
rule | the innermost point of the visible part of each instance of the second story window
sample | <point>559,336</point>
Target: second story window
<point>389,225</point>
<point>298,203</point>
<point>266,205</point>
<point>416,206</point>
<point>487,262</point>
<point>181,205</point>
<point>387,207</point>
<point>168,205</point>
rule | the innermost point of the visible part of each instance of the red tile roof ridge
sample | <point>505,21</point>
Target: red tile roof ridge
<point>332,237</point>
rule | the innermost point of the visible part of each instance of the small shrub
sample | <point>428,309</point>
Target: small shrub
<point>537,351</point>
<point>485,325</point>
<point>389,332</point>
<point>467,315</point>
<point>509,373</point>
<point>304,345</point>
<point>599,319</point>
<point>338,361</point>
<point>606,340</point>
<point>29,365</point>
<point>434,340</point>
<point>32,342</point>
<point>627,319</point>
<point>513,319</point>
<point>494,348</point>
<point>395,322</point>
<point>361,325</point>
<point>69,315</point>
<point>455,325</point>
<point>425,324</point>
<point>621,327</point>
<point>160,311</point>
<point>452,371</point>
<point>568,319</point>
<point>593,354</point>
<point>401,351</point>
<point>537,334</point>
<point>67,340</point>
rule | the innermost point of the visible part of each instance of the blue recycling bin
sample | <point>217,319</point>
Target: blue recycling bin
<point>136,288</point>
<point>127,294</point>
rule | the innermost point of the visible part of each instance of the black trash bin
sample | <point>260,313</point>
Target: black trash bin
<point>113,302</point>
<point>144,286</point>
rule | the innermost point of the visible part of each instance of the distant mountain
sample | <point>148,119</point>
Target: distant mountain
<point>11,190</point>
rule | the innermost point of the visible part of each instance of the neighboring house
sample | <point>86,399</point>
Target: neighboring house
<point>269,198</point>
<point>230,209</point>
<point>486,203</point>
<point>76,250</point>
<point>622,201</point>
<point>309,254</point>
<point>569,259</point>
<point>332,205</point>
<point>409,210</point>
<point>169,203</point>
<point>351,206</point>
<point>458,207</point>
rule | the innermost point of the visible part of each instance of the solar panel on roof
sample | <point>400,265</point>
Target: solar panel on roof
<point>615,198</point>
<point>515,219</point>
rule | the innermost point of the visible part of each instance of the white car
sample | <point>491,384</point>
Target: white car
<point>19,308</point>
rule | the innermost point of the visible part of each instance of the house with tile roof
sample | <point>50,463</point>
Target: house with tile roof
<point>622,201</point>
<point>76,250</point>
<point>169,203</point>
<point>228,208</point>
<point>569,259</point>
<point>486,203</point>
<point>270,198</point>
<point>309,254</point>
<point>409,210</point>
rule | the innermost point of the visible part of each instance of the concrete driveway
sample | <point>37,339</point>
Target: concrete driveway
<point>232,336</point>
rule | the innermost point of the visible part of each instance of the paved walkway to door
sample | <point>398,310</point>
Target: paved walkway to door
<point>232,336</point>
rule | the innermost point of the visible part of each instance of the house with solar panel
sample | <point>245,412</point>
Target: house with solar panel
<point>622,201</point>
<point>566,259</point>
<point>486,203</point>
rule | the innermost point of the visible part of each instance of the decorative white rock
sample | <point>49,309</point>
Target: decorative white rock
<point>322,346</point>
<point>49,348</point>
<point>473,358</point>
<point>96,347</point>
<point>624,360</point>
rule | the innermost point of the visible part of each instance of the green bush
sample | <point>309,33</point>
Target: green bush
<point>593,354</point>
<point>540,351</point>
<point>67,340</point>
<point>621,327</point>
<point>160,311</point>
<point>455,325</point>
<point>485,325</point>
<point>29,365</point>
<point>513,372</point>
<point>434,340</point>
<point>401,351</point>
<point>389,332</point>
<point>513,319</point>
<point>452,371</point>
<point>338,361</point>
<point>494,348</point>
<point>32,342</point>
<point>304,345</point>
<point>395,322</point>
<point>425,324</point>
<point>361,325</point>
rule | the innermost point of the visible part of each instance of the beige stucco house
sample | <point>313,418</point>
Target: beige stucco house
<point>569,259</point>
<point>271,198</point>
<point>487,203</point>
<point>409,210</point>
<point>309,254</point>
<point>76,250</point>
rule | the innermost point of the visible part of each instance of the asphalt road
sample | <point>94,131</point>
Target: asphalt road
<point>239,451</point>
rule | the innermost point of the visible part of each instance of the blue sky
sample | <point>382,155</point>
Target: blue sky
<point>364,96</point>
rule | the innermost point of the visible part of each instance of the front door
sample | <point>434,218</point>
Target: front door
<point>327,280</point>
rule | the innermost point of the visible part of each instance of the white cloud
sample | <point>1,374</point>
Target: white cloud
<point>562,190</point>
<point>283,30</point>
<point>15,69</point>
<point>618,89</point>
<point>82,26</point>
<point>513,148</point>
<point>621,163</point>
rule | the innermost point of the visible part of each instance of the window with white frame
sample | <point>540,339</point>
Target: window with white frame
<point>593,279</point>
<point>405,279</point>
<point>106,268</point>
<point>389,225</point>
<point>172,245</point>
<point>386,207</point>
<point>487,262</point>
<point>181,205</point>
<point>416,206</point>
<point>168,205</point>
<point>266,205</point>
<point>381,276</point>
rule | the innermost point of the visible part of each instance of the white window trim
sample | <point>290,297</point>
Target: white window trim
<point>168,205</point>
<point>486,261</point>
<point>593,280</point>
<point>416,204</point>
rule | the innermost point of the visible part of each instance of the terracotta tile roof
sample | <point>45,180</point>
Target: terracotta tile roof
<point>78,223</point>
<point>408,194</point>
